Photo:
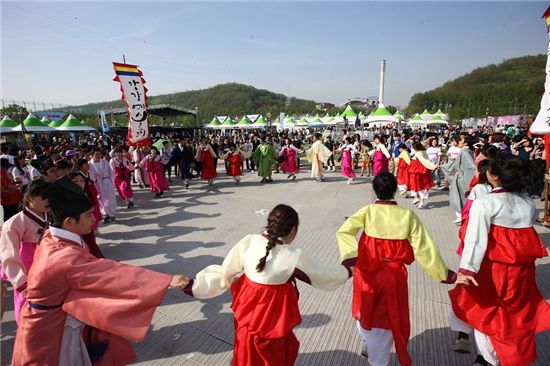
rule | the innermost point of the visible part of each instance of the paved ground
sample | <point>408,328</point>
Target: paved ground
<point>187,230</point>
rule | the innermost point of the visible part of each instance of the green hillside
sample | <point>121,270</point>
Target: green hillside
<point>513,86</point>
<point>225,99</point>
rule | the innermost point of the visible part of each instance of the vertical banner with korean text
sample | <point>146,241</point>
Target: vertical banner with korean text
<point>134,93</point>
<point>104,124</point>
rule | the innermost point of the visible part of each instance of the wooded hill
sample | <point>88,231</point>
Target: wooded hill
<point>514,86</point>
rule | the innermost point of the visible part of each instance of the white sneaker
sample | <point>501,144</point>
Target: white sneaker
<point>401,193</point>
<point>421,206</point>
<point>416,200</point>
<point>458,221</point>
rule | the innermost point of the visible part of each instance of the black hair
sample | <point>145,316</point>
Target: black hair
<point>513,174</point>
<point>280,222</point>
<point>154,147</point>
<point>348,139</point>
<point>482,168</point>
<point>58,223</point>
<point>490,151</point>
<point>417,146</point>
<point>402,147</point>
<point>80,162</point>
<point>318,136</point>
<point>385,186</point>
<point>33,189</point>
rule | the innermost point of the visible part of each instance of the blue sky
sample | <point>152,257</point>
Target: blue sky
<point>61,52</point>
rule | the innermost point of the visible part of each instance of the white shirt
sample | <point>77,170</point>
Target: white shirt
<point>453,153</point>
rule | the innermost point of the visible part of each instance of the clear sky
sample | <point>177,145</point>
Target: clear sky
<point>328,51</point>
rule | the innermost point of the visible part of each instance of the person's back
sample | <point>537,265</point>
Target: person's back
<point>392,237</point>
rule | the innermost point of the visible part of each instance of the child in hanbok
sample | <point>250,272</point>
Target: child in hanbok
<point>497,293</point>
<point>234,162</point>
<point>20,236</point>
<point>403,163</point>
<point>265,298</point>
<point>155,165</point>
<point>289,152</point>
<point>104,179</point>
<point>392,237</point>
<point>122,167</point>
<point>347,150</point>
<point>420,175</point>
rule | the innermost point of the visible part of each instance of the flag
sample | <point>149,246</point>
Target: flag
<point>547,16</point>
<point>541,125</point>
<point>134,93</point>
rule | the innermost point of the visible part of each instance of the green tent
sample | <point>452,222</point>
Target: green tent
<point>228,123</point>
<point>303,122</point>
<point>33,124</point>
<point>260,122</point>
<point>8,122</point>
<point>398,115</point>
<point>215,123</point>
<point>55,124</point>
<point>72,124</point>
<point>45,121</point>
<point>417,118</point>
<point>349,112</point>
<point>244,122</point>
<point>381,111</point>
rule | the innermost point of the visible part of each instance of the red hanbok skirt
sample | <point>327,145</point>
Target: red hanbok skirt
<point>420,177</point>
<point>208,169</point>
<point>157,179</point>
<point>507,305</point>
<point>264,318</point>
<point>234,165</point>
<point>289,165</point>
<point>403,173</point>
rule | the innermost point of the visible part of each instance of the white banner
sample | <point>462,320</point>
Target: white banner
<point>541,125</point>
<point>134,93</point>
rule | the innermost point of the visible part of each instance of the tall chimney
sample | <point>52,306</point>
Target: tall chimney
<point>382,74</point>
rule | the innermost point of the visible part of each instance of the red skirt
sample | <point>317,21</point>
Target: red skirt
<point>507,305</point>
<point>234,165</point>
<point>403,173</point>
<point>264,318</point>
<point>208,169</point>
<point>420,177</point>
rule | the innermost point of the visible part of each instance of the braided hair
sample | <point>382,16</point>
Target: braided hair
<point>280,222</point>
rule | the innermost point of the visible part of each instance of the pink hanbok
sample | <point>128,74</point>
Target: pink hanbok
<point>20,236</point>
<point>347,163</point>
<point>104,179</point>
<point>380,163</point>
<point>289,165</point>
<point>155,170</point>
<point>123,185</point>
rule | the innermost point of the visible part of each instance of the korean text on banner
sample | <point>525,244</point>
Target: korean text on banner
<point>134,93</point>
<point>104,124</point>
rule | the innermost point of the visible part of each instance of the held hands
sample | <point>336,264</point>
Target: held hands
<point>179,282</point>
<point>465,280</point>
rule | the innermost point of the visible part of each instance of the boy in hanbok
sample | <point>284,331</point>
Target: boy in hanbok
<point>121,167</point>
<point>497,293</point>
<point>392,237</point>
<point>234,161</point>
<point>289,152</point>
<point>20,236</point>
<point>81,309</point>
<point>265,297</point>
<point>318,154</point>
<point>104,179</point>
<point>154,165</point>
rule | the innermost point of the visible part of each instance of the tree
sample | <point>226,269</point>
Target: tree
<point>15,111</point>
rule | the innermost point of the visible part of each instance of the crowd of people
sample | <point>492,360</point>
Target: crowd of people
<point>56,193</point>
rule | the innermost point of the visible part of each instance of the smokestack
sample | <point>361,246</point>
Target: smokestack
<point>382,74</point>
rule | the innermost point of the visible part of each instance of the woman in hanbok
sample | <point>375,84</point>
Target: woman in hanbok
<point>403,163</point>
<point>265,297</point>
<point>497,293</point>
<point>380,156</point>
<point>289,152</point>
<point>234,161</point>
<point>83,168</point>
<point>420,175</point>
<point>347,149</point>
<point>154,165</point>
<point>104,179</point>
<point>140,173</point>
<point>208,158</point>
<point>20,236</point>
<point>122,167</point>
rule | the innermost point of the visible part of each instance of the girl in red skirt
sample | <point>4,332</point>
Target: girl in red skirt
<point>289,152</point>
<point>207,157</point>
<point>403,170</point>
<point>420,175</point>
<point>154,166</point>
<point>265,298</point>
<point>234,161</point>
